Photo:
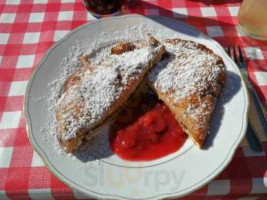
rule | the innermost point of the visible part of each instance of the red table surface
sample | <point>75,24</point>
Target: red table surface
<point>28,29</point>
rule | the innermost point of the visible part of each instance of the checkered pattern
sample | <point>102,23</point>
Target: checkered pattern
<point>29,27</point>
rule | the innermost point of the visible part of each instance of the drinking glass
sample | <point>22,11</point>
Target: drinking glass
<point>252,18</point>
<point>103,8</point>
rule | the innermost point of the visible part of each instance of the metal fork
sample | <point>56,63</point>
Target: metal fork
<point>251,135</point>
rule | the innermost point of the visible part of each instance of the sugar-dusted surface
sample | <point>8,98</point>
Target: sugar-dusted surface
<point>31,177</point>
<point>113,160</point>
<point>100,86</point>
<point>188,70</point>
<point>86,103</point>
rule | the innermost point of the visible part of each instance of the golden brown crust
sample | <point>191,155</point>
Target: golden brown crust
<point>63,108</point>
<point>122,47</point>
<point>194,112</point>
<point>74,79</point>
<point>153,41</point>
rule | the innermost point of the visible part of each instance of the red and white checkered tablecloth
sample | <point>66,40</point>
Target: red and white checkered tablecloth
<point>29,27</point>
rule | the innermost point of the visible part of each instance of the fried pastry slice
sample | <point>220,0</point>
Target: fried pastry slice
<point>96,91</point>
<point>189,80</point>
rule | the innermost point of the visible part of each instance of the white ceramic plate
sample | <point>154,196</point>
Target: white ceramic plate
<point>172,176</point>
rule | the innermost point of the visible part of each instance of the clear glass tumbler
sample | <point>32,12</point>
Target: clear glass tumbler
<point>252,18</point>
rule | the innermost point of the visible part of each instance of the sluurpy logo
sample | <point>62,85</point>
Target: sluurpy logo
<point>136,179</point>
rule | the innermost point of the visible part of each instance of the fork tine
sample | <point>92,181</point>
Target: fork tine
<point>240,55</point>
<point>235,57</point>
<point>229,50</point>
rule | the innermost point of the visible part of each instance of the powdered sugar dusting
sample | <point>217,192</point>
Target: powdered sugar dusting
<point>185,72</point>
<point>70,64</point>
<point>99,89</point>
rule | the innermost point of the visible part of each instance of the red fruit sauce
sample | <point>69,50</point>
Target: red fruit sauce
<point>150,136</point>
